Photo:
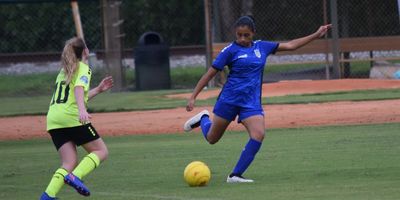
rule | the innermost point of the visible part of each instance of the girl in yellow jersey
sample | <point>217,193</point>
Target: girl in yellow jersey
<point>68,121</point>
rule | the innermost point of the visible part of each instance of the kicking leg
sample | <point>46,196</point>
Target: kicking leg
<point>216,130</point>
<point>212,131</point>
<point>255,127</point>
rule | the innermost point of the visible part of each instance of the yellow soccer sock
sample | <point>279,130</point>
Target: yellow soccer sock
<point>57,181</point>
<point>88,163</point>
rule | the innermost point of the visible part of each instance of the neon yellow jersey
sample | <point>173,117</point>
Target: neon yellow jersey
<point>63,110</point>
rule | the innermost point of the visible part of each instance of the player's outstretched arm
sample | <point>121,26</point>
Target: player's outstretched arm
<point>299,42</point>
<point>200,85</point>
<point>105,84</point>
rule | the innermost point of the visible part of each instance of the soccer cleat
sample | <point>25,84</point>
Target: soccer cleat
<point>45,196</point>
<point>76,183</point>
<point>238,179</point>
<point>194,122</point>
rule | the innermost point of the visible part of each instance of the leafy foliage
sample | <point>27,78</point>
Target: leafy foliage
<point>179,22</point>
<point>43,27</point>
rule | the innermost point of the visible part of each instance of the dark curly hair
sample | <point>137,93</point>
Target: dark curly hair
<point>246,20</point>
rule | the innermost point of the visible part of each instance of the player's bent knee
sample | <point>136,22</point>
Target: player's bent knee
<point>259,136</point>
<point>69,166</point>
<point>101,153</point>
<point>104,154</point>
<point>212,140</point>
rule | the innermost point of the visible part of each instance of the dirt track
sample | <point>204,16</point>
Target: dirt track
<point>277,116</point>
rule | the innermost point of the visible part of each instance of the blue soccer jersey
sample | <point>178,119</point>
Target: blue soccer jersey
<point>246,66</point>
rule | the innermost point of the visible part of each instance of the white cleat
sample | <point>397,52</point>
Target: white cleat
<point>194,121</point>
<point>238,179</point>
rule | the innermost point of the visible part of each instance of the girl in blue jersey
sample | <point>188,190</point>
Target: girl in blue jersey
<point>241,94</point>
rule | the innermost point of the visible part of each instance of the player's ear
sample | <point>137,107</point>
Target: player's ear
<point>85,52</point>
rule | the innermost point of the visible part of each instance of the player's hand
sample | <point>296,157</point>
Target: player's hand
<point>106,84</point>
<point>323,29</point>
<point>84,117</point>
<point>190,104</point>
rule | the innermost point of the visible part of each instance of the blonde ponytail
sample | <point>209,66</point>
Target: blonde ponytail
<point>71,55</point>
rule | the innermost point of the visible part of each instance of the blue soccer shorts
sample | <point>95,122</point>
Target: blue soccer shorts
<point>229,112</point>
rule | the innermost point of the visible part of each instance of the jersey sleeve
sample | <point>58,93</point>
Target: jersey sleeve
<point>223,58</point>
<point>269,47</point>
<point>83,77</point>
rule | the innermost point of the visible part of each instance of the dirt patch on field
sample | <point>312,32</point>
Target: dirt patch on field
<point>309,87</point>
<point>277,116</point>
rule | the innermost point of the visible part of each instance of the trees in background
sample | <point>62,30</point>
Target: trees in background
<point>44,25</point>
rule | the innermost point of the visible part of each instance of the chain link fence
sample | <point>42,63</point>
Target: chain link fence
<point>181,23</point>
<point>35,31</point>
<point>44,26</point>
<point>289,19</point>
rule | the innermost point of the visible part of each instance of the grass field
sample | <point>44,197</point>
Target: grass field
<point>348,162</point>
<point>181,78</point>
<point>151,100</point>
<point>338,163</point>
<point>30,94</point>
<point>29,85</point>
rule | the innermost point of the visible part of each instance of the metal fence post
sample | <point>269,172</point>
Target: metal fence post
<point>398,7</point>
<point>112,42</point>
<point>327,64</point>
<point>208,31</point>
<point>335,40</point>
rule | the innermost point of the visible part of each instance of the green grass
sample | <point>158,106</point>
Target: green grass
<point>360,69</point>
<point>186,77</point>
<point>43,84</point>
<point>106,102</point>
<point>26,85</point>
<point>289,67</point>
<point>30,94</point>
<point>357,69</point>
<point>357,95</point>
<point>332,163</point>
<point>181,78</point>
<point>152,100</point>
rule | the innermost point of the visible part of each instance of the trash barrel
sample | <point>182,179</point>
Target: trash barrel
<point>152,69</point>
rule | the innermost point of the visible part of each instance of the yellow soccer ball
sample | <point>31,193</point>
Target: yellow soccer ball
<point>197,173</point>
